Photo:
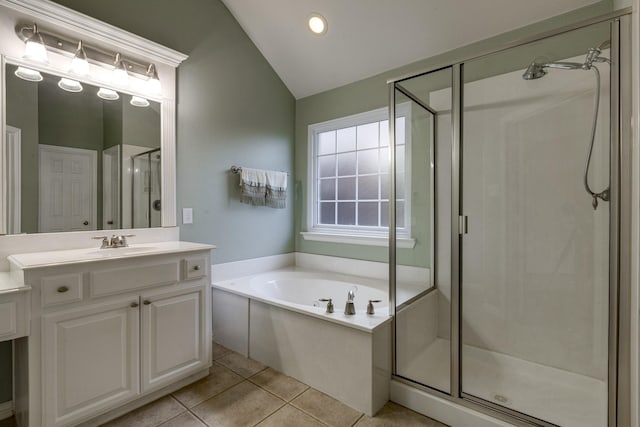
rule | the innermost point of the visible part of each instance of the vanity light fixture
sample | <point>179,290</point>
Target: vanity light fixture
<point>28,74</point>
<point>120,74</point>
<point>79,63</point>
<point>35,49</point>
<point>70,85</point>
<point>108,94</point>
<point>153,84</point>
<point>317,24</point>
<point>138,101</point>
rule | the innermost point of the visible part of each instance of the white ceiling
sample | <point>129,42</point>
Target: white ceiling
<point>367,37</point>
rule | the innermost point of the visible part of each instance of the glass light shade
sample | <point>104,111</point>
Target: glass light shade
<point>154,86</point>
<point>108,94</point>
<point>79,66</point>
<point>70,85</point>
<point>120,77</point>
<point>34,50</point>
<point>317,24</point>
<point>28,74</point>
<point>138,101</point>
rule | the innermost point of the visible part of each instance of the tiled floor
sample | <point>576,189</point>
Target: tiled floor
<point>241,392</point>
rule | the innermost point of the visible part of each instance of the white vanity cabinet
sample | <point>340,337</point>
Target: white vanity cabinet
<point>112,333</point>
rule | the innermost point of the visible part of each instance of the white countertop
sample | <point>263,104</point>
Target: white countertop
<point>76,256</point>
<point>8,285</point>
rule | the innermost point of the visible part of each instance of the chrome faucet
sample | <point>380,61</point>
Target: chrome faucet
<point>349,308</point>
<point>114,241</point>
<point>329,304</point>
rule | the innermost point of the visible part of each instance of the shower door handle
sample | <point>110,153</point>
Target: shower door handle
<point>463,224</point>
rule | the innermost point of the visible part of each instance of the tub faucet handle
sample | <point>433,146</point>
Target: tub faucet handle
<point>329,304</point>
<point>370,309</point>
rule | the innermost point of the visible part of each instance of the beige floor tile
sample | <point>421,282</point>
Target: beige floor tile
<point>219,379</point>
<point>288,416</point>
<point>8,422</point>
<point>242,405</point>
<point>151,415</point>
<point>184,420</point>
<point>219,351</point>
<point>394,415</point>
<point>240,365</point>
<point>279,384</point>
<point>326,409</point>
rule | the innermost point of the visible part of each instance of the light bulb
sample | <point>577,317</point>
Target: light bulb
<point>153,84</point>
<point>28,74</point>
<point>317,24</point>
<point>79,63</point>
<point>108,94</point>
<point>138,101</point>
<point>69,85</point>
<point>120,76</point>
<point>35,49</point>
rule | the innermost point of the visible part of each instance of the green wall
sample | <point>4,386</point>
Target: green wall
<point>372,93</point>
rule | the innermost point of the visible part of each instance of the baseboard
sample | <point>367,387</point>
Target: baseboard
<point>6,410</point>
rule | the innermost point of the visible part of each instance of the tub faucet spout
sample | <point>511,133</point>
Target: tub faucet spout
<point>349,308</point>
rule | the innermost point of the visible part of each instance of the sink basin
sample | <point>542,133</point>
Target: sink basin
<point>109,252</point>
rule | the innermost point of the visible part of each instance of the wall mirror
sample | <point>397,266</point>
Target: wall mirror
<point>80,158</point>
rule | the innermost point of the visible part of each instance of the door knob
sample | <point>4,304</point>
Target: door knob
<point>86,223</point>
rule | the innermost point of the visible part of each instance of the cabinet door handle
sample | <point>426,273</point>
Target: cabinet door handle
<point>196,267</point>
<point>134,304</point>
<point>63,289</point>
<point>147,302</point>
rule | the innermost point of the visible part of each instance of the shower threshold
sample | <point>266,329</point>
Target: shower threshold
<point>555,395</point>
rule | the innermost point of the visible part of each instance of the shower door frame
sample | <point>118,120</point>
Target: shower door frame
<point>618,218</point>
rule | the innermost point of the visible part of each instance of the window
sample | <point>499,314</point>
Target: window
<point>349,177</point>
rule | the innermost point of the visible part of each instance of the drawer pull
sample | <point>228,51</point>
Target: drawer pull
<point>196,268</point>
<point>147,302</point>
<point>134,304</point>
<point>63,289</point>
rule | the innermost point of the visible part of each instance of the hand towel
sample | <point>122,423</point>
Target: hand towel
<point>276,195</point>
<point>253,186</point>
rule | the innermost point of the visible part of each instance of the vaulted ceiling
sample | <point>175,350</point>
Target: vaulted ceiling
<point>368,37</point>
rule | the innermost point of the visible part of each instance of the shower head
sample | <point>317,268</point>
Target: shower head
<point>534,71</point>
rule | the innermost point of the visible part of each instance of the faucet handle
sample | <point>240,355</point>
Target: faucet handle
<point>370,309</point>
<point>329,304</point>
<point>105,241</point>
<point>123,239</point>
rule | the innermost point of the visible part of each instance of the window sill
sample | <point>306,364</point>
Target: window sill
<point>354,239</point>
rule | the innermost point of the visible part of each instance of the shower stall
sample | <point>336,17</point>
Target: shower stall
<point>146,189</point>
<point>518,153</point>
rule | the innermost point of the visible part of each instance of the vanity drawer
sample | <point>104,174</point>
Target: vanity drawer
<point>194,268</point>
<point>14,315</point>
<point>61,289</point>
<point>126,279</point>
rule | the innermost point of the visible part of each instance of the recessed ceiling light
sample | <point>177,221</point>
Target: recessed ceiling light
<point>317,23</point>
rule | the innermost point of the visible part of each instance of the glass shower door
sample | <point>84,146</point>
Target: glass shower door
<point>534,259</point>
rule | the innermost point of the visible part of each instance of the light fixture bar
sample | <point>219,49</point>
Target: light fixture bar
<point>95,55</point>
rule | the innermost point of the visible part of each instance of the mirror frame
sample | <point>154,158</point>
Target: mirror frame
<point>75,25</point>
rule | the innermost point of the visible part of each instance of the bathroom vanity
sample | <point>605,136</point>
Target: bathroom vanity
<point>105,330</point>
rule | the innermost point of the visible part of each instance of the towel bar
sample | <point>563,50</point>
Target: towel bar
<point>237,169</point>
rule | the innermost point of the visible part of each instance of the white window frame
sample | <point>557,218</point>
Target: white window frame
<point>354,234</point>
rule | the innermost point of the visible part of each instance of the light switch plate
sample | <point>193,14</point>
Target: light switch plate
<point>187,215</point>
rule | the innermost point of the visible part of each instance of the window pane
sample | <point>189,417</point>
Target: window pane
<point>400,193</point>
<point>368,187</point>
<point>384,186</point>
<point>327,213</point>
<point>400,158</point>
<point>347,213</point>
<point>400,214</point>
<point>384,214</point>
<point>368,136</point>
<point>328,189</point>
<point>327,143</point>
<point>384,133</point>
<point>346,139</point>
<point>368,161</point>
<point>346,164</point>
<point>384,160</point>
<point>327,166</point>
<point>400,130</point>
<point>346,188</point>
<point>368,214</point>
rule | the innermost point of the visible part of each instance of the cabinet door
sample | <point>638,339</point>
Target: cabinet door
<point>90,360</point>
<point>173,336</point>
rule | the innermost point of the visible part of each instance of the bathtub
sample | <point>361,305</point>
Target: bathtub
<point>276,318</point>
